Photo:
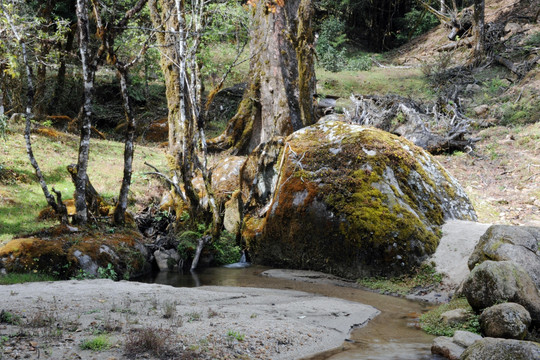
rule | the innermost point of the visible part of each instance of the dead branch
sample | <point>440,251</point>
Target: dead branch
<point>438,127</point>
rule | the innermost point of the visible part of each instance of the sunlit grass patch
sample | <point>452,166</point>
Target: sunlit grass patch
<point>21,197</point>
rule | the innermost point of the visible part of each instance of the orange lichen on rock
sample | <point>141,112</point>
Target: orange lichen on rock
<point>14,246</point>
<point>59,251</point>
<point>48,212</point>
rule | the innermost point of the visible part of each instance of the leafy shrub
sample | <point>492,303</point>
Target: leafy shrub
<point>107,272</point>
<point>521,113</point>
<point>7,317</point>
<point>97,343</point>
<point>187,243</point>
<point>414,23</point>
<point>226,251</point>
<point>330,46</point>
<point>362,63</point>
<point>533,39</point>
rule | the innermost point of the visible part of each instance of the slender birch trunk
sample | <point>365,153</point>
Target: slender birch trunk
<point>58,207</point>
<point>120,210</point>
<point>86,114</point>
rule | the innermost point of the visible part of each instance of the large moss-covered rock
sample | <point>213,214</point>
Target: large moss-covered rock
<point>354,201</point>
<point>519,244</point>
<point>502,349</point>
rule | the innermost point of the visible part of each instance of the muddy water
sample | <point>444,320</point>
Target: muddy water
<point>391,335</point>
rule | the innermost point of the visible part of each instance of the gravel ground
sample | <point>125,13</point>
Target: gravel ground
<point>149,321</point>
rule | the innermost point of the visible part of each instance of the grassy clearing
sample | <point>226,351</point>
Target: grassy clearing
<point>21,198</point>
<point>404,82</point>
<point>432,323</point>
<point>220,57</point>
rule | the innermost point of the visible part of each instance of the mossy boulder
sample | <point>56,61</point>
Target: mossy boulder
<point>494,282</point>
<point>519,244</point>
<point>502,349</point>
<point>65,254</point>
<point>353,201</point>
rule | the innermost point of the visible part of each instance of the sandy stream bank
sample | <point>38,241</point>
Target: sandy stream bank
<point>275,324</point>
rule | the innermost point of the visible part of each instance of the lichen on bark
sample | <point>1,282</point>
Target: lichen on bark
<point>279,97</point>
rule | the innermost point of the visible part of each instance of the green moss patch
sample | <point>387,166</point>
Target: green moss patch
<point>431,322</point>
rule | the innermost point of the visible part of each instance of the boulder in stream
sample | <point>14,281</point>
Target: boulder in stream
<point>513,243</point>
<point>492,348</point>
<point>507,320</point>
<point>348,200</point>
<point>494,282</point>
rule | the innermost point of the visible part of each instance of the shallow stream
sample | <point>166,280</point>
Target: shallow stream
<point>391,335</point>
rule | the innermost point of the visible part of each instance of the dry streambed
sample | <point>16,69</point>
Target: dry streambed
<point>152,321</point>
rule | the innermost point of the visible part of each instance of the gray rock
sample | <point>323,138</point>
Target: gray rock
<point>167,260</point>
<point>508,320</point>
<point>481,110</point>
<point>86,263</point>
<point>350,200</point>
<point>444,346</point>
<point>493,282</point>
<point>465,338</point>
<point>456,316</point>
<point>518,244</point>
<point>502,349</point>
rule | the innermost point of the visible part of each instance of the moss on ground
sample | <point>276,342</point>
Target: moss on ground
<point>432,323</point>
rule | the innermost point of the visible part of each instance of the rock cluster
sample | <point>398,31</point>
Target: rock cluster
<point>503,287</point>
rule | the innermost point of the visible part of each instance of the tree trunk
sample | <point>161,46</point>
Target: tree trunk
<point>86,113</point>
<point>61,75</point>
<point>59,207</point>
<point>479,30</point>
<point>120,210</point>
<point>181,130</point>
<point>279,97</point>
<point>41,78</point>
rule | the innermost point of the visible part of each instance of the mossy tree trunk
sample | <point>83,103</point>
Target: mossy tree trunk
<point>279,97</point>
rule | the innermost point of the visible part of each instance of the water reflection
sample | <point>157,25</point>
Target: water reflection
<point>391,335</point>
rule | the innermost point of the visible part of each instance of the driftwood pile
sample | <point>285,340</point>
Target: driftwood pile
<point>437,127</point>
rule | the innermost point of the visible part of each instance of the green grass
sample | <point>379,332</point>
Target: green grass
<point>18,278</point>
<point>432,323</point>
<point>404,82</point>
<point>235,335</point>
<point>425,277</point>
<point>98,343</point>
<point>21,197</point>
